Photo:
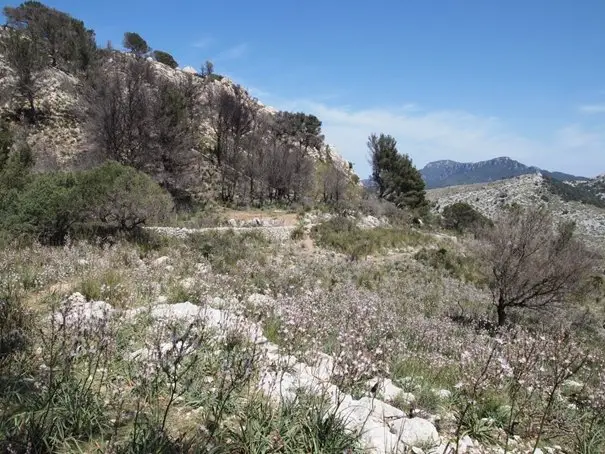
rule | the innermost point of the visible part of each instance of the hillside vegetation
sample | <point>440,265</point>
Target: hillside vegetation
<point>184,270</point>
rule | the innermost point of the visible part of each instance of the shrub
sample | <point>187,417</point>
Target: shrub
<point>109,199</point>
<point>225,249</point>
<point>15,337</point>
<point>46,209</point>
<point>461,216</point>
<point>165,58</point>
<point>459,266</point>
<point>135,44</point>
<point>122,198</point>
<point>343,235</point>
<point>298,233</point>
<point>15,164</point>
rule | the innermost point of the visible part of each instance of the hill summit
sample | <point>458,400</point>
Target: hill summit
<point>439,174</point>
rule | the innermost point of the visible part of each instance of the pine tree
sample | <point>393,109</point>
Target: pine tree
<point>396,178</point>
<point>136,44</point>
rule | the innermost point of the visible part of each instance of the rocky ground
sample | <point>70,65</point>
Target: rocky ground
<point>250,314</point>
<point>526,190</point>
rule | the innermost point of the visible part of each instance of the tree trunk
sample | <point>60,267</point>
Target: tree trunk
<point>501,312</point>
<point>32,108</point>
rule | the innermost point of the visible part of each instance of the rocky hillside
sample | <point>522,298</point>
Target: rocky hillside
<point>595,185</point>
<point>64,137</point>
<point>535,189</point>
<point>444,173</point>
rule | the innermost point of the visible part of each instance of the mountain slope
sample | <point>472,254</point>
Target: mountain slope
<point>529,190</point>
<point>595,185</point>
<point>444,173</point>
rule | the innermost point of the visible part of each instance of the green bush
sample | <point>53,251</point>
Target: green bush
<point>343,235</point>
<point>108,199</point>
<point>122,198</point>
<point>225,249</point>
<point>458,266</point>
<point>461,216</point>
<point>15,164</point>
<point>165,58</point>
<point>46,209</point>
<point>15,337</point>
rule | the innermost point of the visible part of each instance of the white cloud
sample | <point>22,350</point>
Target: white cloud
<point>575,136</point>
<point>431,135</point>
<point>592,109</point>
<point>202,43</point>
<point>234,52</point>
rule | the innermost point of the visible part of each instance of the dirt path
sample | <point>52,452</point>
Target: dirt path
<point>283,218</point>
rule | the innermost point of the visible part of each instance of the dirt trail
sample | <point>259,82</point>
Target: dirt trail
<point>282,218</point>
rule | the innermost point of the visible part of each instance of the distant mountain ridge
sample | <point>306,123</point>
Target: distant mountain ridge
<point>439,174</point>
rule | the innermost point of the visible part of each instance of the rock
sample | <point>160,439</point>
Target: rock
<point>169,268</point>
<point>538,451</point>
<point>189,70</point>
<point>369,222</point>
<point>260,300</point>
<point>465,444</point>
<point>390,392</point>
<point>378,439</point>
<point>571,387</point>
<point>323,367</point>
<point>415,432</point>
<point>187,283</point>
<point>442,449</point>
<point>232,223</point>
<point>417,450</point>
<point>203,268</point>
<point>160,261</point>
<point>77,311</point>
<point>443,393</point>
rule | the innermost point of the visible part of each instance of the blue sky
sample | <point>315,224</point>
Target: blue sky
<point>464,80</point>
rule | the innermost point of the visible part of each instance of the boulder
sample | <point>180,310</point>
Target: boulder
<point>161,261</point>
<point>415,431</point>
<point>571,387</point>
<point>187,283</point>
<point>465,444</point>
<point>77,311</point>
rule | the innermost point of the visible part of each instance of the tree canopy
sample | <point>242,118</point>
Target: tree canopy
<point>66,41</point>
<point>135,43</point>
<point>396,178</point>
<point>533,264</point>
<point>165,58</point>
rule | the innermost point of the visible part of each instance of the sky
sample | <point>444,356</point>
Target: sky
<point>465,80</point>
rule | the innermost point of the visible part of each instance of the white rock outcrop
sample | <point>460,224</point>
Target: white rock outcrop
<point>382,427</point>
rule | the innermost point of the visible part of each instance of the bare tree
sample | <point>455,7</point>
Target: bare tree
<point>232,117</point>
<point>207,69</point>
<point>533,264</point>
<point>174,117</point>
<point>25,59</point>
<point>121,99</point>
<point>334,184</point>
